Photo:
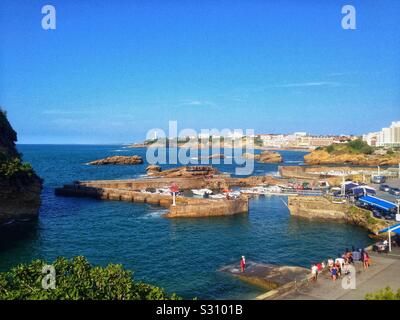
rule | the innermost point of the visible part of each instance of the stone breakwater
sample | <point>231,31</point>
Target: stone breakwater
<point>185,207</point>
<point>322,208</point>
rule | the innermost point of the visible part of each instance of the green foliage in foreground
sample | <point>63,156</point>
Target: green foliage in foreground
<point>14,168</point>
<point>76,279</point>
<point>384,294</point>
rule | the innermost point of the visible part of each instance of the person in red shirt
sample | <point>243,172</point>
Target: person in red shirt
<point>243,264</point>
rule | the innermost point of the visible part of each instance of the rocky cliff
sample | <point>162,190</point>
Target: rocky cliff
<point>20,187</point>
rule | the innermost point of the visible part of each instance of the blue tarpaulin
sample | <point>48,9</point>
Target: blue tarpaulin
<point>378,203</point>
<point>395,228</point>
<point>350,185</point>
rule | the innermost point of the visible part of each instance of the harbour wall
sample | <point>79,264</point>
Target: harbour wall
<point>322,208</point>
<point>185,207</point>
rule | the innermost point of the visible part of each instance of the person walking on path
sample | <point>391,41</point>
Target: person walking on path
<point>243,264</point>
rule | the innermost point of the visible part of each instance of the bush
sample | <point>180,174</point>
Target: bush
<point>360,146</point>
<point>76,279</point>
<point>390,152</point>
<point>384,294</point>
<point>14,168</point>
<point>330,148</point>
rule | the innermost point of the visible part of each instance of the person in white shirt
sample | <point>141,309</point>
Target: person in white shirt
<point>330,263</point>
<point>340,261</point>
<point>314,272</point>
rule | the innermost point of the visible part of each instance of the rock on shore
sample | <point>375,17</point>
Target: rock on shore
<point>152,169</point>
<point>118,160</point>
<point>19,191</point>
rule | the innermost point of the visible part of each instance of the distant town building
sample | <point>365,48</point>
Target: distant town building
<point>387,137</point>
<point>295,140</point>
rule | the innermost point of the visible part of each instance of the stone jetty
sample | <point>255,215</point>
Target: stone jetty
<point>186,178</point>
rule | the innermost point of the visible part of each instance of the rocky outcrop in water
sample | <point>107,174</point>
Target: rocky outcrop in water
<point>121,160</point>
<point>188,172</point>
<point>319,157</point>
<point>270,157</point>
<point>152,169</point>
<point>20,187</point>
<point>265,157</point>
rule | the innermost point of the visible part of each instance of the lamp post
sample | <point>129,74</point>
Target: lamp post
<point>174,189</point>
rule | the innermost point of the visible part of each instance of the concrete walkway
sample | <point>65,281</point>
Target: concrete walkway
<point>384,272</point>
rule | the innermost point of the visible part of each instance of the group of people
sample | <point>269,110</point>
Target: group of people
<point>342,265</point>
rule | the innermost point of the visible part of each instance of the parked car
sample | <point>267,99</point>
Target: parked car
<point>377,214</point>
<point>384,187</point>
<point>378,179</point>
<point>394,191</point>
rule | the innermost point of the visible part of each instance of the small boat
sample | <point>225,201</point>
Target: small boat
<point>163,191</point>
<point>217,196</point>
<point>248,191</point>
<point>234,194</point>
<point>202,192</point>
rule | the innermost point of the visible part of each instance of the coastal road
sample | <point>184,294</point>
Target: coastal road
<point>386,195</point>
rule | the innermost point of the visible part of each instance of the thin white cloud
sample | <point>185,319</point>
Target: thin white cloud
<point>308,84</point>
<point>66,112</point>
<point>197,103</point>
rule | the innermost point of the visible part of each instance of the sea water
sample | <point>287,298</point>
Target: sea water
<point>181,255</point>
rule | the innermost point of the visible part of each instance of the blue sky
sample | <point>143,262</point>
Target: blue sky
<point>112,70</point>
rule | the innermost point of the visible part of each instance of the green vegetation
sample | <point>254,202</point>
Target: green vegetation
<point>76,279</point>
<point>356,147</point>
<point>14,168</point>
<point>384,294</point>
<point>359,146</point>
<point>390,152</point>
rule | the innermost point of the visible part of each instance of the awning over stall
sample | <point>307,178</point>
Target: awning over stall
<point>359,190</point>
<point>378,203</point>
<point>395,229</point>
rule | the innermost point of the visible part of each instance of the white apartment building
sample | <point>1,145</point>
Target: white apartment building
<point>387,137</point>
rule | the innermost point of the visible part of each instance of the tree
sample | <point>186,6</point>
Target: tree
<point>76,279</point>
<point>361,146</point>
<point>384,294</point>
